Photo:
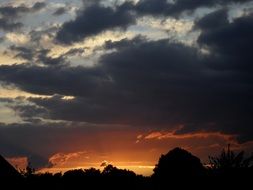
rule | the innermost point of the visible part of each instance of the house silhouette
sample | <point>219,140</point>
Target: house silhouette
<point>7,170</point>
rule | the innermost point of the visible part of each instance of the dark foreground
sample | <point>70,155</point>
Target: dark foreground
<point>47,181</point>
<point>178,169</point>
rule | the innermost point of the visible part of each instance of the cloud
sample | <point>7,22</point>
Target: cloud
<point>37,35</point>
<point>159,84</point>
<point>74,52</point>
<point>38,6</point>
<point>10,15</point>
<point>163,135</point>
<point>13,12</point>
<point>16,138</point>
<point>11,147</point>
<point>23,52</point>
<point>124,43</point>
<point>17,38</point>
<point>153,135</point>
<point>223,39</point>
<point>55,79</point>
<point>63,158</point>
<point>210,21</point>
<point>41,142</point>
<point>60,11</point>
<point>93,20</point>
<point>30,113</point>
<point>9,25</point>
<point>41,56</point>
<point>151,84</point>
<point>177,7</point>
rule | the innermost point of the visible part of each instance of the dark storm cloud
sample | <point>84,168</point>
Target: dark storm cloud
<point>53,80</point>
<point>105,88</point>
<point>215,19</point>
<point>179,85</point>
<point>167,84</point>
<point>93,20</point>
<point>155,84</point>
<point>230,42</point>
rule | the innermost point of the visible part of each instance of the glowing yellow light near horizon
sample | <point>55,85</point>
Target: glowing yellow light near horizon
<point>14,93</point>
<point>68,98</point>
<point>138,169</point>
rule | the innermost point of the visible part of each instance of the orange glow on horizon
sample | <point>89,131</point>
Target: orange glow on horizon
<point>138,151</point>
<point>145,170</point>
<point>19,163</point>
<point>135,150</point>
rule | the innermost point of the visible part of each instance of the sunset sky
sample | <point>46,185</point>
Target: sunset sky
<point>86,82</point>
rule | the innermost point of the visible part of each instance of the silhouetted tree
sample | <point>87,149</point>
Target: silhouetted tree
<point>228,159</point>
<point>74,174</point>
<point>29,171</point>
<point>92,172</point>
<point>58,175</point>
<point>178,163</point>
<point>110,170</point>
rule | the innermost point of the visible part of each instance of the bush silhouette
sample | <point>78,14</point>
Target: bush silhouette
<point>178,163</point>
<point>228,160</point>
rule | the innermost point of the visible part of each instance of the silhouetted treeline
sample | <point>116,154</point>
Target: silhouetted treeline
<point>177,169</point>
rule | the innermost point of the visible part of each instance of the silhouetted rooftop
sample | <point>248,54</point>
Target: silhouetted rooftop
<point>6,169</point>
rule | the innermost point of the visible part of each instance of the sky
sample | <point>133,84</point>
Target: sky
<point>85,83</point>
